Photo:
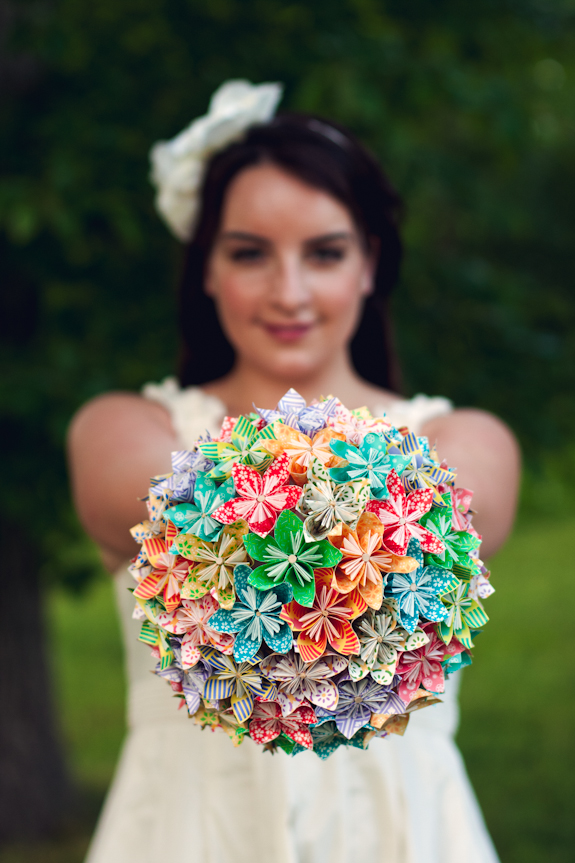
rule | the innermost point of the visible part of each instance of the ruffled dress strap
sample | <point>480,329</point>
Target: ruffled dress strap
<point>193,411</point>
<point>417,411</point>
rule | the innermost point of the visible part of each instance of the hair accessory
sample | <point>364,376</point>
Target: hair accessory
<point>178,164</point>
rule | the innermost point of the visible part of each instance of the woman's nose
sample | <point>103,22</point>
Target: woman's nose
<point>289,290</point>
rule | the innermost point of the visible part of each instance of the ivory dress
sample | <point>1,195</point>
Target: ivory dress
<point>186,795</point>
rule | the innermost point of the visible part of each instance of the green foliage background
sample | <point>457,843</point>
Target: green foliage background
<point>469,106</point>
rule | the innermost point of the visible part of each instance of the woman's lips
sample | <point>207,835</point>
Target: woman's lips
<point>287,332</point>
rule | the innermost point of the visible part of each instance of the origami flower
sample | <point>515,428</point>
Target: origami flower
<point>417,592</point>
<point>245,447</point>
<point>255,617</point>
<point>193,619</point>
<point>327,621</point>
<point>240,681</point>
<point>287,556</point>
<point>364,559</point>
<point>422,667</point>
<point>400,514</point>
<point>302,449</point>
<point>179,485</point>
<point>456,544</point>
<point>325,503</point>
<point>210,717</point>
<point>354,425</point>
<point>463,614</point>
<point>370,461</point>
<point>357,701</point>
<point>461,508</point>
<point>268,723</point>
<point>294,412</point>
<point>168,572</point>
<point>261,498</point>
<point>420,470</point>
<point>197,518</point>
<point>381,641</point>
<point>190,683</point>
<point>298,681</point>
<point>327,738</point>
<point>215,563</point>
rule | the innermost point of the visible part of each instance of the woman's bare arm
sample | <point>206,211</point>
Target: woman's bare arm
<point>116,443</point>
<point>486,456</point>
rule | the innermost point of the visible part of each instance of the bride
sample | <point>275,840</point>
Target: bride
<point>293,250</point>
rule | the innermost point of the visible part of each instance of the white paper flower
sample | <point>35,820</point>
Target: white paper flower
<point>178,165</point>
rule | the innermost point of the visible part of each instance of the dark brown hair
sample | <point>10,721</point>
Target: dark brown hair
<point>325,156</point>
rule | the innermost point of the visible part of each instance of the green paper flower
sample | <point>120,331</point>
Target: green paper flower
<point>288,557</point>
<point>458,543</point>
<point>370,461</point>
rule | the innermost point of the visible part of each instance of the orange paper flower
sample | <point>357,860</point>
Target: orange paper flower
<point>301,449</point>
<point>364,559</point>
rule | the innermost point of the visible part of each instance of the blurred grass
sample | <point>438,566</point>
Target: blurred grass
<point>517,701</point>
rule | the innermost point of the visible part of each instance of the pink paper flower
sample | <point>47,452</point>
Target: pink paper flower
<point>422,667</point>
<point>268,723</point>
<point>261,498</point>
<point>192,618</point>
<point>400,513</point>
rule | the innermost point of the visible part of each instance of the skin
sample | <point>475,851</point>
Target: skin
<point>288,272</point>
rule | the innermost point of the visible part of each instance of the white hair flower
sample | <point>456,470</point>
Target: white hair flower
<point>178,165</point>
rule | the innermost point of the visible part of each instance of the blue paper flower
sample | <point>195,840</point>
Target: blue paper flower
<point>196,517</point>
<point>370,461</point>
<point>357,701</point>
<point>417,593</point>
<point>255,617</point>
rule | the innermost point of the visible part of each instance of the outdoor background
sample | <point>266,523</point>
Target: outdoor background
<point>471,108</point>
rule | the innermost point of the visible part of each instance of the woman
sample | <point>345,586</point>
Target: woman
<point>293,252</point>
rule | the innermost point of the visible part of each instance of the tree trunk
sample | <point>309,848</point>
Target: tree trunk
<point>34,787</point>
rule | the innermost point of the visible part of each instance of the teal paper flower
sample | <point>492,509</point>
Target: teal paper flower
<point>417,593</point>
<point>255,617</point>
<point>458,543</point>
<point>196,517</point>
<point>370,461</point>
<point>287,557</point>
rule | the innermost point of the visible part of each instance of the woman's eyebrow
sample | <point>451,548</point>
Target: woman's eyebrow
<point>335,235</point>
<point>243,235</point>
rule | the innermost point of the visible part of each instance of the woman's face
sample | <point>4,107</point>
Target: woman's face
<point>288,273</point>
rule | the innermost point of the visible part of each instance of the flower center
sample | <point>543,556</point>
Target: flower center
<point>219,561</point>
<point>357,699</point>
<point>365,558</point>
<point>401,521</point>
<point>413,587</point>
<point>260,498</point>
<point>292,559</point>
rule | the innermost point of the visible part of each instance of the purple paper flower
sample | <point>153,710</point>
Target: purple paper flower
<point>292,409</point>
<point>357,701</point>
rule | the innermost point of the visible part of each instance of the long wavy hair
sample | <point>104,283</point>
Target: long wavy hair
<point>328,157</point>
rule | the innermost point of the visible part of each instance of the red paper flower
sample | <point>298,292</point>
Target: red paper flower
<point>168,572</point>
<point>400,513</point>
<point>422,667</point>
<point>327,621</point>
<point>261,498</point>
<point>268,723</point>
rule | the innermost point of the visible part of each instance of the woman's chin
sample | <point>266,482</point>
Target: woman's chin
<point>297,366</point>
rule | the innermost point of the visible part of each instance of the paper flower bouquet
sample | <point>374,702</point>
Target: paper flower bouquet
<point>308,577</point>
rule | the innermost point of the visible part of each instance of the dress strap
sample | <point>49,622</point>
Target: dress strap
<point>417,411</point>
<point>193,412</point>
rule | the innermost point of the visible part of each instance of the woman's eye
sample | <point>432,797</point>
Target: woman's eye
<point>246,254</point>
<point>328,254</point>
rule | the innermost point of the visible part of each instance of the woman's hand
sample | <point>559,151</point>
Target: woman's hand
<point>486,456</point>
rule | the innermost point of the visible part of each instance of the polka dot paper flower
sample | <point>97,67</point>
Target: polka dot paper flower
<point>417,592</point>
<point>401,513</point>
<point>268,723</point>
<point>369,461</point>
<point>255,617</point>
<point>261,498</point>
<point>326,503</point>
<point>302,450</point>
<point>196,518</point>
